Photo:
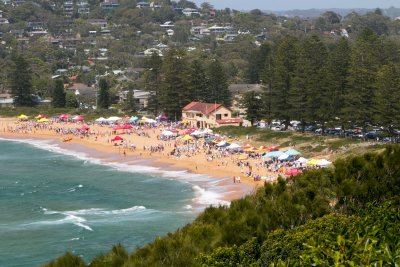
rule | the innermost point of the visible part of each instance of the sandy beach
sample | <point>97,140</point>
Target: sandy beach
<point>98,145</point>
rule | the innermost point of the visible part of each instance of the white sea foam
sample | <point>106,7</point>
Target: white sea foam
<point>204,195</point>
<point>208,197</point>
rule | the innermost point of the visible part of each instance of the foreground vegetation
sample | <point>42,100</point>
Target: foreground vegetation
<point>323,218</point>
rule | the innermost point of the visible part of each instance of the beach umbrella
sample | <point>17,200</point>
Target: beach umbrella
<point>272,154</point>
<point>117,138</point>
<point>43,120</point>
<point>101,119</point>
<point>263,148</point>
<point>63,116</point>
<point>312,162</point>
<point>134,118</point>
<point>292,152</point>
<point>127,127</point>
<point>233,146</point>
<point>323,163</point>
<point>243,157</point>
<point>150,121</point>
<point>293,172</point>
<point>167,133</point>
<point>78,118</point>
<point>117,127</point>
<point>207,131</point>
<point>40,116</point>
<point>22,117</point>
<point>113,119</point>
<point>302,160</point>
<point>84,128</point>
<point>190,130</point>
<point>186,138</point>
<point>222,143</point>
<point>273,148</point>
<point>247,146</point>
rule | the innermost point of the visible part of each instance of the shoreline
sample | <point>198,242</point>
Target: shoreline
<point>217,181</point>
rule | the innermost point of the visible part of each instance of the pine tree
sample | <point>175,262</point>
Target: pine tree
<point>387,107</point>
<point>312,64</point>
<point>198,82</point>
<point>284,65</point>
<point>21,82</point>
<point>218,84</point>
<point>252,102</point>
<point>71,101</point>
<point>59,99</point>
<point>257,62</point>
<point>104,94</point>
<point>174,93</point>
<point>336,79</point>
<point>152,78</point>
<point>129,103</point>
<point>359,99</point>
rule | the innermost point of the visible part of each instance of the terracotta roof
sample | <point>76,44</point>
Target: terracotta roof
<point>228,121</point>
<point>205,108</point>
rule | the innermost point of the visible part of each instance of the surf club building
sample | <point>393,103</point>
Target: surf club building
<point>208,115</point>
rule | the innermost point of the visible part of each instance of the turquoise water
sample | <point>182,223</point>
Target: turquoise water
<point>51,203</point>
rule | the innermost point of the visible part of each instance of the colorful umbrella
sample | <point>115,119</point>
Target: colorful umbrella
<point>84,128</point>
<point>117,138</point>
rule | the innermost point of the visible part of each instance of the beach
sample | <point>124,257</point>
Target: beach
<point>98,145</point>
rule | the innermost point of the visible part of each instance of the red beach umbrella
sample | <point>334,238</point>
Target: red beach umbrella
<point>127,126</point>
<point>84,128</point>
<point>117,138</point>
<point>63,116</point>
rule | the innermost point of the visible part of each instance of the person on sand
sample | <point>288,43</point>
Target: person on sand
<point>124,153</point>
<point>238,179</point>
<point>234,179</point>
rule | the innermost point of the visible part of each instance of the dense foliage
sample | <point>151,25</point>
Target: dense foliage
<point>309,219</point>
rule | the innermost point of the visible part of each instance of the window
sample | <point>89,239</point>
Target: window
<point>217,116</point>
<point>226,115</point>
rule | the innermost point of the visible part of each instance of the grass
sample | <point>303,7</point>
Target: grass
<point>337,144</point>
<point>236,131</point>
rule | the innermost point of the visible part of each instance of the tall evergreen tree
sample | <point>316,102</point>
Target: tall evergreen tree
<point>252,102</point>
<point>257,62</point>
<point>21,81</point>
<point>218,82</point>
<point>198,82</point>
<point>359,99</point>
<point>387,104</point>
<point>129,103</point>
<point>152,80</point>
<point>71,101</point>
<point>104,94</point>
<point>59,96</point>
<point>285,62</point>
<point>314,57</point>
<point>336,79</point>
<point>174,93</point>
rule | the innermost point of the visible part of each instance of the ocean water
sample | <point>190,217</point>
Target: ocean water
<point>52,202</point>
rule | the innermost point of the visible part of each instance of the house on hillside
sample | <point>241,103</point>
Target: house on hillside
<point>207,115</point>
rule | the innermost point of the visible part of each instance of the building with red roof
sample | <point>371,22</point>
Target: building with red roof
<point>207,115</point>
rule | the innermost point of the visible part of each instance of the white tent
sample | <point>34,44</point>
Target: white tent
<point>323,163</point>
<point>150,120</point>
<point>207,131</point>
<point>283,156</point>
<point>167,133</point>
<point>101,119</point>
<point>196,133</point>
<point>302,160</point>
<point>233,146</point>
<point>222,143</point>
<point>113,119</point>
